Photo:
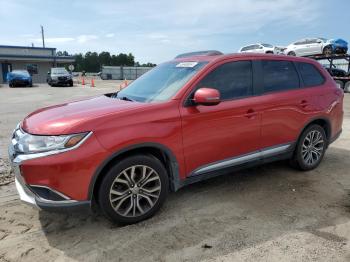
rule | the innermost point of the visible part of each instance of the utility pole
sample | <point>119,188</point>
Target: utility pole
<point>42,35</point>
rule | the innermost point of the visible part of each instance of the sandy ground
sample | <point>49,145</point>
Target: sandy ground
<point>268,213</point>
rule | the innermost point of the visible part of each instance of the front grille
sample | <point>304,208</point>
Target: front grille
<point>62,78</point>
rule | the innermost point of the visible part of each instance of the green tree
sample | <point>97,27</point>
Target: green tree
<point>104,58</point>
<point>92,61</point>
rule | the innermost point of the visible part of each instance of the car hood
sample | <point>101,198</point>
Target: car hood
<point>71,117</point>
<point>19,77</point>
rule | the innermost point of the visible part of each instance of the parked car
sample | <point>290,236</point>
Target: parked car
<point>336,72</point>
<point>258,48</point>
<point>317,46</point>
<point>59,76</point>
<point>184,121</point>
<point>19,78</point>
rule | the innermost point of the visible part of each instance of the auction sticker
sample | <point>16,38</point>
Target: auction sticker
<point>187,64</point>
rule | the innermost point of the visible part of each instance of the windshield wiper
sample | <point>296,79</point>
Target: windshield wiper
<point>125,98</point>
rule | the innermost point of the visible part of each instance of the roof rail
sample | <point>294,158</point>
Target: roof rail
<point>200,53</point>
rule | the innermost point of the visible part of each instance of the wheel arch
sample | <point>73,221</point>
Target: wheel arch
<point>161,152</point>
<point>326,46</point>
<point>321,121</point>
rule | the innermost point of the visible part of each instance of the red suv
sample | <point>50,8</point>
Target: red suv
<point>184,121</point>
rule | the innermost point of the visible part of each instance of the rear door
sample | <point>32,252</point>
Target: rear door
<point>283,106</point>
<point>314,47</point>
<point>214,134</point>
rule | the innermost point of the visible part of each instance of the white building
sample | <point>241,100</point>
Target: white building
<point>37,60</point>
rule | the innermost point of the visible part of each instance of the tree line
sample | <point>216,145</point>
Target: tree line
<point>93,61</point>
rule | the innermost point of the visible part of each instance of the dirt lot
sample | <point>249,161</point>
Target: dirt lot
<point>269,213</point>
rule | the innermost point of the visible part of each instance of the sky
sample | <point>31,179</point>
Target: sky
<point>156,31</point>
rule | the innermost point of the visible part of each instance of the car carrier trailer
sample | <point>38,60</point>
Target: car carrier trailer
<point>335,62</point>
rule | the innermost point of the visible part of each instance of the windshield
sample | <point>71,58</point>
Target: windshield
<point>161,83</point>
<point>20,73</point>
<point>266,45</point>
<point>59,71</point>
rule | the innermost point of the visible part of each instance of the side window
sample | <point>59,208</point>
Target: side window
<point>301,42</point>
<point>232,80</point>
<point>310,74</point>
<point>279,76</point>
<point>312,41</point>
<point>245,48</point>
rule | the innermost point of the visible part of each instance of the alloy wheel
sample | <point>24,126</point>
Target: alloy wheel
<point>135,191</point>
<point>312,147</point>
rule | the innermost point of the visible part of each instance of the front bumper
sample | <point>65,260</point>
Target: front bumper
<point>63,81</point>
<point>28,196</point>
<point>20,82</point>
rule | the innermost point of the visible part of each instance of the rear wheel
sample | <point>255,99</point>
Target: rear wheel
<point>340,84</point>
<point>347,87</point>
<point>134,189</point>
<point>310,149</point>
<point>327,50</point>
<point>291,53</point>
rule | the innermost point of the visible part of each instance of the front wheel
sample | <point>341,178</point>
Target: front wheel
<point>327,50</point>
<point>310,148</point>
<point>134,189</point>
<point>347,87</point>
<point>291,53</point>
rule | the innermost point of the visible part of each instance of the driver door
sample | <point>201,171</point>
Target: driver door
<point>231,129</point>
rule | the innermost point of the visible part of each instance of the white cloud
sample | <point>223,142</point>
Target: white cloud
<point>57,40</point>
<point>110,35</point>
<point>27,35</point>
<point>54,40</point>
<point>86,38</point>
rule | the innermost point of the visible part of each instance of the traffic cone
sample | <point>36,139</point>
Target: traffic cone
<point>83,81</point>
<point>123,84</point>
<point>92,82</point>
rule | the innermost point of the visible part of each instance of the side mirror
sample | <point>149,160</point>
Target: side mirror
<point>206,96</point>
<point>48,72</point>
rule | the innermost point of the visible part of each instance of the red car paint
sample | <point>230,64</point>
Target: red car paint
<point>195,135</point>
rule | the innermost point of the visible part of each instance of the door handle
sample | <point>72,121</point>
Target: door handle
<point>251,113</point>
<point>304,103</point>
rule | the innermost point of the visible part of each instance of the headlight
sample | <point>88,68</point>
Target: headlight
<point>28,144</point>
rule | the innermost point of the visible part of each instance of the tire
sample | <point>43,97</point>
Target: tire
<point>269,52</point>
<point>347,87</point>
<point>316,150</point>
<point>125,179</point>
<point>291,53</point>
<point>71,83</point>
<point>11,85</point>
<point>327,50</point>
<point>340,83</point>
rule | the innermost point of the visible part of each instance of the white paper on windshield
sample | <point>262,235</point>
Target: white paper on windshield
<point>187,64</point>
